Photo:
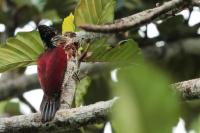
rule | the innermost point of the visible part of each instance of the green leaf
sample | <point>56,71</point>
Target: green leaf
<point>12,108</point>
<point>147,104</point>
<point>81,90</point>
<point>20,51</point>
<point>94,12</point>
<point>195,125</point>
<point>128,52</point>
<point>2,107</point>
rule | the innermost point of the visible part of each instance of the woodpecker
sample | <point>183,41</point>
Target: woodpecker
<point>51,67</point>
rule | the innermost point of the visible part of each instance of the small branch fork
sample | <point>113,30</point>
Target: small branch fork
<point>167,9</point>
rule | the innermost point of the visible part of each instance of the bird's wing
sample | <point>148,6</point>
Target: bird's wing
<point>51,69</point>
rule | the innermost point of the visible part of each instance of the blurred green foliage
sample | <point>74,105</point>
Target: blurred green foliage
<point>147,104</point>
<point>9,108</point>
<point>81,91</point>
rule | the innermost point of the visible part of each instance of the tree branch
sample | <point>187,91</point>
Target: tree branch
<point>69,84</point>
<point>189,89</point>
<point>15,87</point>
<point>83,37</point>
<point>65,120</point>
<point>144,17</point>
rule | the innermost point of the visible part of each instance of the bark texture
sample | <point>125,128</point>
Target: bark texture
<point>65,120</point>
<point>189,89</point>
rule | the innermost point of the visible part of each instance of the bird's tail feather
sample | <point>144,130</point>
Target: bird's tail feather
<point>49,107</point>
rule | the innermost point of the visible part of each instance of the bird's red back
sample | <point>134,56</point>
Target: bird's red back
<point>51,69</point>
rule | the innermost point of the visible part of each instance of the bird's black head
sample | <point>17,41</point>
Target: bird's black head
<point>46,34</point>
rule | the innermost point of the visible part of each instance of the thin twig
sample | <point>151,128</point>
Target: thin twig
<point>22,99</point>
<point>190,13</point>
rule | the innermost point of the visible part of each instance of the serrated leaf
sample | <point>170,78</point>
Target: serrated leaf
<point>68,24</point>
<point>20,51</point>
<point>94,12</point>
<point>126,52</point>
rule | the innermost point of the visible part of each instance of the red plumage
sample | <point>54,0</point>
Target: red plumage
<point>51,70</point>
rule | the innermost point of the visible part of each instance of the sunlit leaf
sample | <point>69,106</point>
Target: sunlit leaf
<point>21,50</point>
<point>68,24</point>
<point>94,11</point>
